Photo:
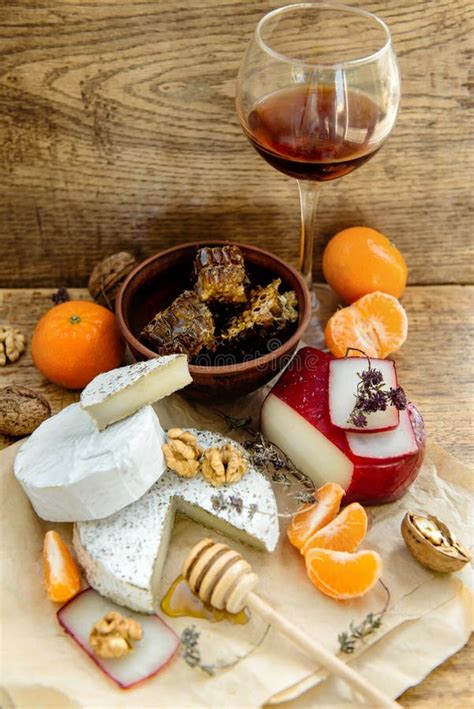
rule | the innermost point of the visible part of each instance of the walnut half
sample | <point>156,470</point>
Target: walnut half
<point>113,636</point>
<point>223,465</point>
<point>182,453</point>
<point>12,345</point>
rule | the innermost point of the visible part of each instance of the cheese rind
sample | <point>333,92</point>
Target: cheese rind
<point>70,471</point>
<point>114,395</point>
<point>123,556</point>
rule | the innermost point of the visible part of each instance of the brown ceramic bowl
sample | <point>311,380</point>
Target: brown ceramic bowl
<point>156,282</point>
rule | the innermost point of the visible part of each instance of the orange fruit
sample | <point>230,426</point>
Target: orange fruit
<point>344,533</point>
<point>360,260</point>
<point>61,573</point>
<point>342,575</point>
<point>75,341</point>
<point>315,515</point>
<point>377,324</point>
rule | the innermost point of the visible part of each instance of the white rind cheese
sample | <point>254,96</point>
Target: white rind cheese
<point>70,471</point>
<point>114,395</point>
<point>123,556</point>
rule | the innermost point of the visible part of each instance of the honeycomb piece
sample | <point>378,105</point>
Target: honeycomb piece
<point>185,327</point>
<point>220,274</point>
<point>268,313</point>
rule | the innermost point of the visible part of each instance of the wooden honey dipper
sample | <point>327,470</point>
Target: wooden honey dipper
<point>221,577</point>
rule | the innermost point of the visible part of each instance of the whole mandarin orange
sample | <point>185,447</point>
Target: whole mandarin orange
<point>360,260</point>
<point>75,341</point>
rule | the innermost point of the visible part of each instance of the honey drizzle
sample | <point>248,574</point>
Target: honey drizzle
<point>180,601</point>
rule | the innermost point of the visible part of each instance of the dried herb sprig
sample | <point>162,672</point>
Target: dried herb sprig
<point>61,296</point>
<point>234,423</point>
<point>371,395</point>
<point>264,454</point>
<point>189,646</point>
<point>273,463</point>
<point>220,502</point>
<point>358,633</point>
<point>191,652</point>
<point>234,502</point>
<point>269,458</point>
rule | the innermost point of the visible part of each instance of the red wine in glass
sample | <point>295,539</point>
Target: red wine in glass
<point>311,133</point>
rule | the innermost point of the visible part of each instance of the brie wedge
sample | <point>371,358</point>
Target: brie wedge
<point>114,395</point>
<point>123,556</point>
<point>70,471</point>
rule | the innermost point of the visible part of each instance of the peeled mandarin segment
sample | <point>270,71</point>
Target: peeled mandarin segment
<point>314,516</point>
<point>377,324</point>
<point>61,573</point>
<point>387,320</point>
<point>342,575</point>
<point>345,329</point>
<point>344,533</point>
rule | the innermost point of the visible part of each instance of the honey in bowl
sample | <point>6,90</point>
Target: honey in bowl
<point>180,601</point>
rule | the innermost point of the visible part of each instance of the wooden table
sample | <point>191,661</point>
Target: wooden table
<point>118,131</point>
<point>434,368</point>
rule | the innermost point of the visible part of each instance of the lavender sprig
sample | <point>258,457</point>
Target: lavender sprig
<point>371,396</point>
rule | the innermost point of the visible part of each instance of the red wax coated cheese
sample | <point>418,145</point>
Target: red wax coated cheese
<point>295,416</point>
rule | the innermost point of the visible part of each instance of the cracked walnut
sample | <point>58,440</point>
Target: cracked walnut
<point>113,636</point>
<point>223,465</point>
<point>182,453</point>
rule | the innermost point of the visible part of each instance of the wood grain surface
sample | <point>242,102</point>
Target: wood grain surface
<point>433,368</point>
<point>118,131</point>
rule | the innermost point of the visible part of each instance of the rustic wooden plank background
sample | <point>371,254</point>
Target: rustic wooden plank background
<point>118,130</point>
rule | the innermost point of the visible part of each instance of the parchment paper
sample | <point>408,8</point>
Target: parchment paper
<point>429,617</point>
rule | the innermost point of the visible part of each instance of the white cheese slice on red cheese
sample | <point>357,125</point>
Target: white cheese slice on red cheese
<point>114,395</point>
<point>123,556</point>
<point>71,471</point>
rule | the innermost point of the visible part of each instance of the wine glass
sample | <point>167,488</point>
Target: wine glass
<point>318,92</point>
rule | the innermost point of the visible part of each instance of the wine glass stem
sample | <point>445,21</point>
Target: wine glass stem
<point>309,195</point>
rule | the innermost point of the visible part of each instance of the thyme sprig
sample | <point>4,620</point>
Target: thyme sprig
<point>371,395</point>
<point>269,458</point>
<point>234,423</point>
<point>220,503</point>
<point>191,652</point>
<point>357,633</point>
<point>273,463</point>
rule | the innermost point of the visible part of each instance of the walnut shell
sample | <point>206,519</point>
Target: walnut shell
<point>431,543</point>
<point>108,275</point>
<point>21,410</point>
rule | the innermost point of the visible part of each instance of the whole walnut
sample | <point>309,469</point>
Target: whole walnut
<point>108,275</point>
<point>12,344</point>
<point>22,410</point>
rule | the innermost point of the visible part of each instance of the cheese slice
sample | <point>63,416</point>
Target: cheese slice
<point>71,471</point>
<point>114,395</point>
<point>123,556</point>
